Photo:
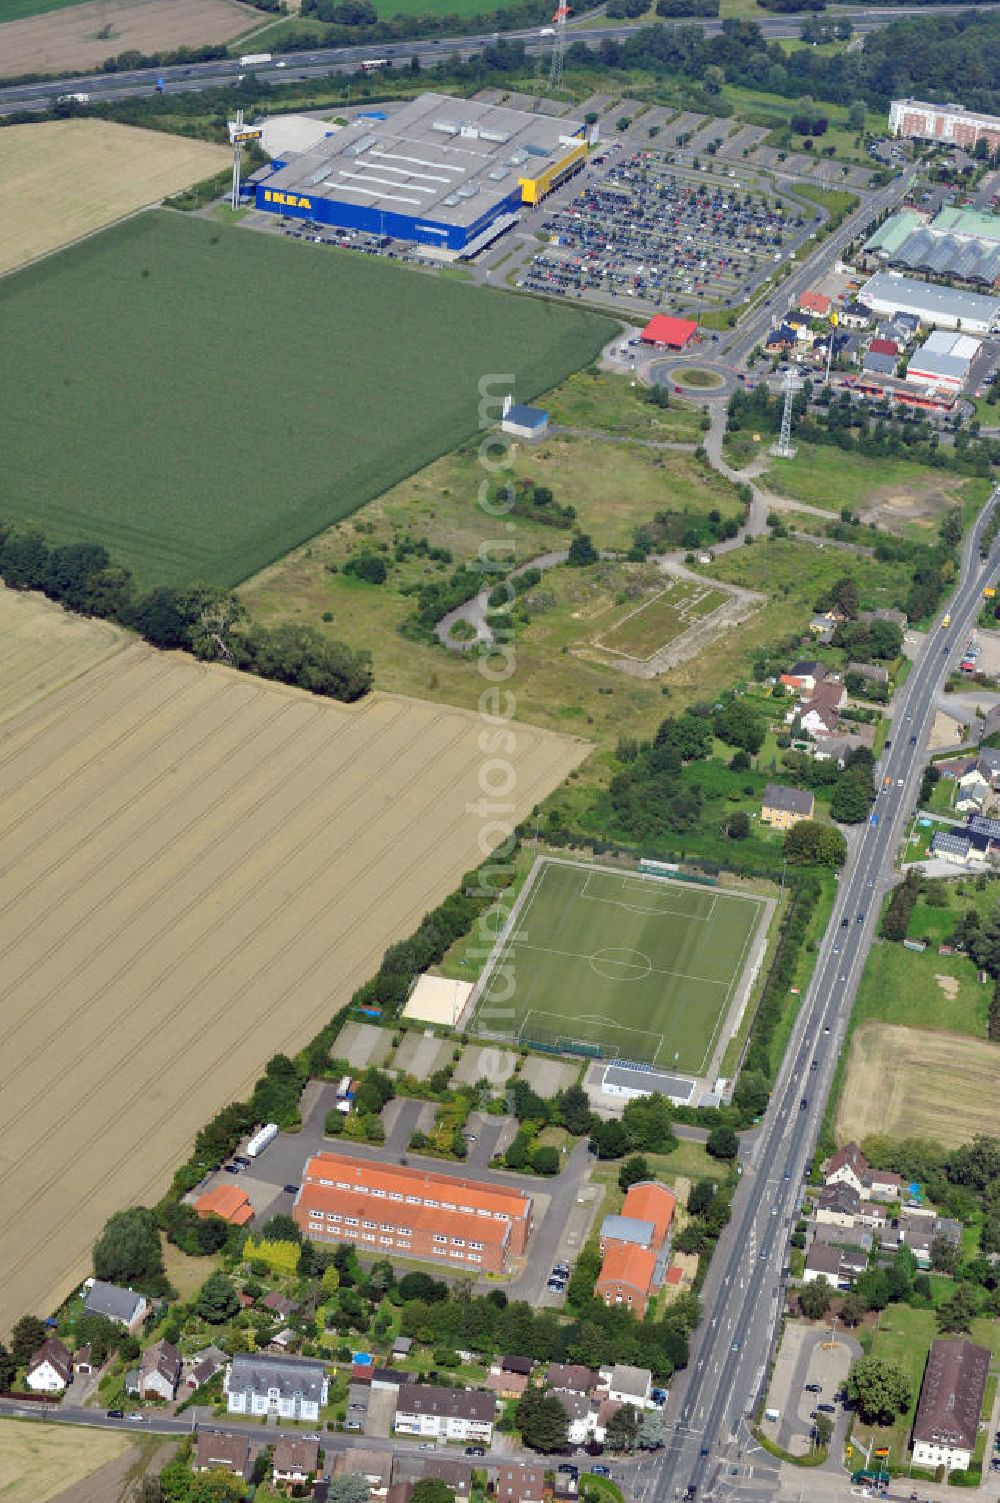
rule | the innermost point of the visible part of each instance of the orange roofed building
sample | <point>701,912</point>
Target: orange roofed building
<point>408,1212</point>
<point>226,1201</point>
<point>635,1246</point>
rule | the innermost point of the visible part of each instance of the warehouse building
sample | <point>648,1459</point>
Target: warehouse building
<point>943,360</point>
<point>957,243</point>
<point>398,1211</point>
<point>948,123</point>
<point>445,173</point>
<point>888,293</point>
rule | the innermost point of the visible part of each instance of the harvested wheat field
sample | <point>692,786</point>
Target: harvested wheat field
<point>918,1082</point>
<point>61,40</point>
<point>42,647</point>
<point>39,1461</point>
<point>67,178</point>
<point>197,869</point>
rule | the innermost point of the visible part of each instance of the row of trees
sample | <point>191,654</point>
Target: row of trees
<point>207,620</point>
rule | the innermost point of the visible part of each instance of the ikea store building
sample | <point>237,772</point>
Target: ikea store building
<point>442,172</point>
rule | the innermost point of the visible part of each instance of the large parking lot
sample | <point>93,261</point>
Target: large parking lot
<point>666,235</point>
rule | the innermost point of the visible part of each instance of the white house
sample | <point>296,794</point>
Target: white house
<point>279,1387</point>
<point>583,1418</point>
<point>848,1166</point>
<point>159,1372</point>
<point>951,1398</point>
<point>628,1385</point>
<point>50,1369</point>
<point>444,1413</point>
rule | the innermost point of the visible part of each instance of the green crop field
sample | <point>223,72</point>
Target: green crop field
<point>201,399</point>
<point>644,968</point>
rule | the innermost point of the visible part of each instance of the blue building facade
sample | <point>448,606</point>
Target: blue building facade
<point>340,214</point>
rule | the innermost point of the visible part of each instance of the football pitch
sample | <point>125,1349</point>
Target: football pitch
<point>643,968</point>
<point>201,399</point>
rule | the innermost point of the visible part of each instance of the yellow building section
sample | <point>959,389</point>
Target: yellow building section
<point>534,189</point>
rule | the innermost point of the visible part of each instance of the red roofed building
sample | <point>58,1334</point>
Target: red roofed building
<point>391,1210</point>
<point>883,347</point>
<point>227,1202</point>
<point>814,302</point>
<point>636,1247</point>
<point>668,333</point>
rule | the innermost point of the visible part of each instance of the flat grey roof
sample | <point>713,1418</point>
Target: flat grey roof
<point>910,295</point>
<point>627,1229</point>
<point>436,158</point>
<point>636,1077</point>
<point>948,367</point>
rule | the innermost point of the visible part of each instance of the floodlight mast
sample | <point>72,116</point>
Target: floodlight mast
<point>559,48</point>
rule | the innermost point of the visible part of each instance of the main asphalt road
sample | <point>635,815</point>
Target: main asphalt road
<point>291,66</point>
<point>711,1453</point>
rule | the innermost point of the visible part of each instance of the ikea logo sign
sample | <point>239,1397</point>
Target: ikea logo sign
<point>290,200</point>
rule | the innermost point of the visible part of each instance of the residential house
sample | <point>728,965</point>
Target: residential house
<point>950,845</point>
<point>635,1247</point>
<point>804,676</point>
<point>372,1463</point>
<point>837,1205</point>
<point>988,765</point>
<point>848,1166</point>
<point>883,346</point>
<point>780,339</point>
<point>628,1385</point>
<point>571,1377</point>
<point>855,315</point>
<point>815,303</point>
<point>984,835</point>
<point>508,1376</point>
<point>280,1387</point>
<point>295,1460</point>
<point>159,1371</point>
<point>822,1262</point>
<point>973,791</point>
<point>820,714</point>
<point>846,1236</point>
<point>822,629</point>
<point>228,1202</point>
<point>519,1484</point>
<point>873,672</point>
<point>219,1451</point>
<point>123,1306</point>
<point>951,1400</point>
<point>202,1367</point>
<point>448,1413</point>
<point>50,1369</point>
<point>581,1418</point>
<point>782,807</point>
<point>454,1471</point>
<point>853,1262</point>
<point>278,1304</point>
<point>883,1184</point>
<point>874,364</point>
<point>872,1215</point>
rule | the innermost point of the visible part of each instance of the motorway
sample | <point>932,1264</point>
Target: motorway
<point>293,66</point>
<point>711,1453</point>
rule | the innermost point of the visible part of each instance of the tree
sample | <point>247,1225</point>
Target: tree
<point>367,566</point>
<point>432,1490</point>
<point>648,1121</point>
<point>851,799</point>
<point>809,843</point>
<point>217,1299</point>
<point>944,1255</point>
<point>852,1309</point>
<point>26,1337</point>
<point>723,1143</point>
<point>737,825</point>
<point>700,1196</point>
<point>545,1160</point>
<point>128,1251</point>
<point>623,1429</point>
<point>857,115</point>
<point>632,1171</point>
<point>814,1298</point>
<point>574,1108</point>
<point>8,1368</point>
<point>582,551</point>
<point>352,1488</point>
<point>823,1428</point>
<point>959,1311</point>
<point>541,1420</point>
<point>281,1228</point>
<point>610,1139</point>
<point>881,1390</point>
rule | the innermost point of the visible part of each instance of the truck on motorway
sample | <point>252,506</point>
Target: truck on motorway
<point>946,621</point>
<point>73,99</point>
<point>250,58</point>
<point>374,64</point>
